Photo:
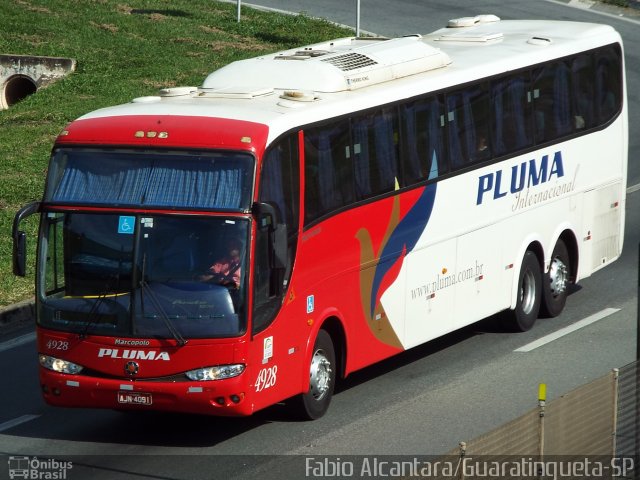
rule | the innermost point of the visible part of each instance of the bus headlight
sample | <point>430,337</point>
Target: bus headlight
<point>218,372</point>
<point>58,365</point>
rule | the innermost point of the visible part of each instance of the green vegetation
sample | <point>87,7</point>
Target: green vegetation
<point>619,3</point>
<point>124,49</point>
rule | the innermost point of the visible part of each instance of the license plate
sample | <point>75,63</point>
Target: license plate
<point>134,398</point>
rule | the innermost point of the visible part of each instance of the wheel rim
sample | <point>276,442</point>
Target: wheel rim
<point>528,292</point>
<point>558,277</point>
<point>320,375</point>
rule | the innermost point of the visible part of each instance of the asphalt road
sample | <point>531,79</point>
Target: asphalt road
<point>422,402</point>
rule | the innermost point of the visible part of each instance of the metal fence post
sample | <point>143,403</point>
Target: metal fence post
<point>636,439</point>
<point>616,378</point>
<point>357,18</point>
<point>463,453</point>
<point>542,400</point>
<point>239,8</point>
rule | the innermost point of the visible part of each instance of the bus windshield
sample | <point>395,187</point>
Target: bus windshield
<point>143,276</point>
<point>211,180</point>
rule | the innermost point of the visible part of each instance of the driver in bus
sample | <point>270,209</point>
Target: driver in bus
<point>227,270</point>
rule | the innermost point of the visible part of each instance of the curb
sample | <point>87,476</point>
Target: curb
<point>17,315</point>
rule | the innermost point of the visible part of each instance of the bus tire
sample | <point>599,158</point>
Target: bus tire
<point>525,313</point>
<point>556,281</point>
<point>322,376</point>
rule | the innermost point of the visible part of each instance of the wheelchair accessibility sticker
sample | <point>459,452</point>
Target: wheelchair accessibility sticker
<point>311,303</point>
<point>126,224</point>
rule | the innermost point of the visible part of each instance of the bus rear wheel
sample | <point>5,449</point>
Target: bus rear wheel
<point>556,281</point>
<point>525,314</point>
<point>322,376</point>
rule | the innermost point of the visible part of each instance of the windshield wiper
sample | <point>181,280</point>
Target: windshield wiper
<point>94,314</point>
<point>156,303</point>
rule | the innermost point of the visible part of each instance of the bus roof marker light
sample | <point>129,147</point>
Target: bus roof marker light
<point>245,140</point>
<point>246,92</point>
<point>147,99</point>
<point>299,96</point>
<point>178,91</point>
<point>471,21</point>
<point>471,36</point>
<point>540,41</point>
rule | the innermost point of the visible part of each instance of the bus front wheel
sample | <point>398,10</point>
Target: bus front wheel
<point>322,376</point>
<point>525,314</point>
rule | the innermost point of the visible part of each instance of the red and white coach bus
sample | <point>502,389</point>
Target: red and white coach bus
<point>304,214</point>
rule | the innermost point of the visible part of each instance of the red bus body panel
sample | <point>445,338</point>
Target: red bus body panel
<point>166,131</point>
<point>277,358</point>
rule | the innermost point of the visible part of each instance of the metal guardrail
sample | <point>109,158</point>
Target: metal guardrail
<point>599,420</point>
<point>627,432</point>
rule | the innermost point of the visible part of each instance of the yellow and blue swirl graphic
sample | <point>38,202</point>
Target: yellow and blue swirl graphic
<point>380,269</point>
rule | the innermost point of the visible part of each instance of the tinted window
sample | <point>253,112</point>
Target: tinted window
<point>378,151</point>
<point>468,126</point>
<point>375,152</point>
<point>552,101</point>
<point>583,88</point>
<point>328,169</point>
<point>608,82</point>
<point>422,141</point>
<point>511,113</point>
<point>280,187</point>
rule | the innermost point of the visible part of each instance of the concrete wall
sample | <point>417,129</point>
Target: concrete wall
<point>22,75</point>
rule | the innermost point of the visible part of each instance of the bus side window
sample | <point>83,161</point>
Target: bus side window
<point>511,114</point>
<point>583,91</point>
<point>468,126</point>
<point>328,170</point>
<point>552,101</point>
<point>280,183</point>
<point>422,141</point>
<point>55,267</point>
<point>375,152</point>
<point>280,187</point>
<point>608,82</point>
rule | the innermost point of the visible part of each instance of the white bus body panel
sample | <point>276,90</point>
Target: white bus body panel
<point>465,266</point>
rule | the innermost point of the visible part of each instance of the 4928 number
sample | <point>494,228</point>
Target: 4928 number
<point>267,378</point>
<point>58,345</point>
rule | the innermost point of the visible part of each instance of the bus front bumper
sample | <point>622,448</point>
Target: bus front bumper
<point>220,397</point>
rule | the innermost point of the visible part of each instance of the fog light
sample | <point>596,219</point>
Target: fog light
<point>235,398</point>
<point>220,401</point>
